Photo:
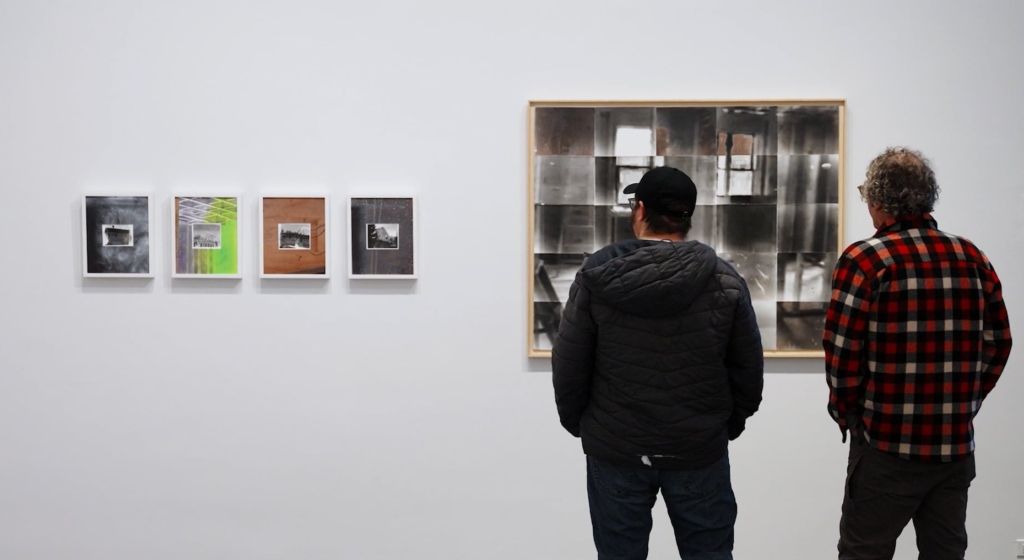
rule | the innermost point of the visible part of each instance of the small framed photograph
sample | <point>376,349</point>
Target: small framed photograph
<point>115,236</point>
<point>205,237</point>
<point>118,235</point>
<point>294,237</point>
<point>382,238</point>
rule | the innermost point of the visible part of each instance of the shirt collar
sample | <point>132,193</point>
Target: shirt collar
<point>904,223</point>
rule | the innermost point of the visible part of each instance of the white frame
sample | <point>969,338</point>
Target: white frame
<point>327,235</point>
<point>174,236</point>
<point>85,237</point>
<point>415,237</point>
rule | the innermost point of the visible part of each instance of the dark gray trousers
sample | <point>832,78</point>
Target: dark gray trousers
<point>885,492</point>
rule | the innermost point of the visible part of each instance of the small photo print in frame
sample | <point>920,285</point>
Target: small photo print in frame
<point>769,177</point>
<point>205,237</point>
<point>115,236</point>
<point>382,237</point>
<point>294,233</point>
<point>118,235</point>
<point>293,237</point>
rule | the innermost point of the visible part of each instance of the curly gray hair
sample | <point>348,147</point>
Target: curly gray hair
<point>902,182</point>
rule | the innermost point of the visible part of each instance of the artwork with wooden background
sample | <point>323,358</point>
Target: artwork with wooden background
<point>294,237</point>
<point>769,177</point>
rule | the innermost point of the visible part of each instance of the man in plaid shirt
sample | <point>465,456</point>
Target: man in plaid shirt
<point>915,337</point>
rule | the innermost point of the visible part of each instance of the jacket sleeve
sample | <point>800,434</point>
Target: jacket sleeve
<point>744,361</point>
<point>572,358</point>
<point>846,325</point>
<point>996,333</point>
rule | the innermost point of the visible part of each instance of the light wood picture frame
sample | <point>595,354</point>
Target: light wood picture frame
<point>116,235</point>
<point>206,236</point>
<point>770,180</point>
<point>294,236</point>
<point>382,237</point>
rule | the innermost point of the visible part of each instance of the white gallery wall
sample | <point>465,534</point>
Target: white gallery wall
<point>284,419</point>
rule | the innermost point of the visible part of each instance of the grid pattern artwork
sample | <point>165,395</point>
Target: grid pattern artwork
<point>769,181</point>
<point>205,237</point>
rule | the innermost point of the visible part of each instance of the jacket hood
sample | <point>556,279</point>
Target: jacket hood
<point>656,280</point>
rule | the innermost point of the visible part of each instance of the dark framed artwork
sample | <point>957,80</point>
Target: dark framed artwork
<point>769,177</point>
<point>382,239</point>
<point>115,236</point>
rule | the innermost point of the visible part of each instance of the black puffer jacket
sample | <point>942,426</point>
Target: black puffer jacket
<point>658,355</point>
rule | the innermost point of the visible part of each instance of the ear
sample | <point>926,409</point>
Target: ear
<point>641,212</point>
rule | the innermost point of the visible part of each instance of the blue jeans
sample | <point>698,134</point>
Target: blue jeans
<point>700,504</point>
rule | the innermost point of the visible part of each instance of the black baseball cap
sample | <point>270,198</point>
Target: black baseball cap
<point>666,191</point>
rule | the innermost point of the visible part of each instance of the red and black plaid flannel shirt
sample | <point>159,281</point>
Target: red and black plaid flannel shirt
<point>915,337</point>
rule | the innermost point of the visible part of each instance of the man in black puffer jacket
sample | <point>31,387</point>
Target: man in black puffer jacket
<point>657,366</point>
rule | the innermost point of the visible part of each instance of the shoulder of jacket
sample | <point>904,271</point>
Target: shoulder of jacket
<point>964,247</point>
<point>728,277</point>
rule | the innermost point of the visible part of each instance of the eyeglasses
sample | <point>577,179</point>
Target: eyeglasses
<point>632,204</point>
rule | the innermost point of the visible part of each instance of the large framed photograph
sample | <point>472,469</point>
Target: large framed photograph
<point>115,236</point>
<point>205,240</point>
<point>294,234</point>
<point>382,240</point>
<point>769,178</point>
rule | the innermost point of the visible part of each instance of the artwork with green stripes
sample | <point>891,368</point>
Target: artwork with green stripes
<point>206,240</point>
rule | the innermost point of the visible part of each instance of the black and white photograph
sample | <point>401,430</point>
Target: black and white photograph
<point>293,237</point>
<point>563,180</point>
<point>564,131</point>
<point>754,130</point>
<point>806,276</point>
<point>704,225</point>
<point>553,278</point>
<point>118,235</point>
<point>686,131</point>
<point>809,179</point>
<point>115,236</point>
<point>613,174</point>
<point>809,130</point>
<point>746,228</point>
<point>769,181</point>
<point>746,149</point>
<point>565,230</point>
<point>206,236</point>
<point>808,228</point>
<point>800,325</point>
<point>767,322</point>
<point>611,225</point>
<point>382,237</point>
<point>624,132</point>
<point>758,270</point>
